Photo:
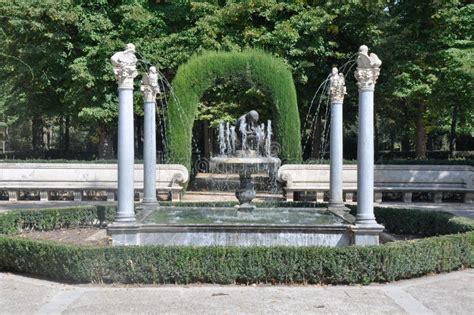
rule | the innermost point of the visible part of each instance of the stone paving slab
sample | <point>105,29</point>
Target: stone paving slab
<point>451,293</point>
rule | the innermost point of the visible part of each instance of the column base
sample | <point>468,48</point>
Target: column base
<point>365,220</point>
<point>125,219</point>
<point>367,234</point>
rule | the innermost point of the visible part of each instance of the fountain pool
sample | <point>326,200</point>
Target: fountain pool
<point>224,226</point>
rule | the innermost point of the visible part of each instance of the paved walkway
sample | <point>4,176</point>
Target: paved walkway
<point>451,293</point>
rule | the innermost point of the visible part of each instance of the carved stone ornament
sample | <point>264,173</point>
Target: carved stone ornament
<point>368,69</point>
<point>124,63</point>
<point>150,87</point>
<point>337,86</point>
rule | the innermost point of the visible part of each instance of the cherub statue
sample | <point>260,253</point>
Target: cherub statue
<point>337,87</point>
<point>250,119</point>
<point>368,68</point>
<point>150,84</point>
<point>364,60</point>
<point>124,63</point>
<point>246,128</point>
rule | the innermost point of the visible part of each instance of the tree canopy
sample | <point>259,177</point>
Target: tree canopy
<point>55,69</point>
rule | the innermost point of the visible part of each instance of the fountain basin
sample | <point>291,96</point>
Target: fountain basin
<point>243,165</point>
<point>190,226</point>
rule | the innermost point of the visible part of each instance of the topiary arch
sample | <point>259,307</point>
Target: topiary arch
<point>200,72</point>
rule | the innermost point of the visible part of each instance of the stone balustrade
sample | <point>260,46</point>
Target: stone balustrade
<point>75,177</point>
<point>405,179</point>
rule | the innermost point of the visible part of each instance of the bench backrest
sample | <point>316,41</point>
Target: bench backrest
<point>316,176</point>
<point>82,176</point>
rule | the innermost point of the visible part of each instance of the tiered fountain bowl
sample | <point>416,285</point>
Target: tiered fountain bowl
<point>245,163</point>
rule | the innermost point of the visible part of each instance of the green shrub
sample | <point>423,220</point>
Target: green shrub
<point>160,264</point>
<point>53,219</point>
<point>420,222</point>
<point>200,73</point>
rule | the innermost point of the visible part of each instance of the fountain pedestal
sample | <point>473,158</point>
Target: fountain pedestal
<point>245,167</point>
<point>245,193</point>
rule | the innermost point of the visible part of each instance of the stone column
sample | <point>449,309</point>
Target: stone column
<point>124,63</point>
<point>337,90</point>
<point>150,89</point>
<point>366,74</point>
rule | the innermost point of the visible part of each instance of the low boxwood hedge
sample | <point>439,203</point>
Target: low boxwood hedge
<point>452,249</point>
<point>54,219</point>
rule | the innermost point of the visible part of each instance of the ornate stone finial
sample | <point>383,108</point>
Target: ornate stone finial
<point>150,87</point>
<point>368,69</point>
<point>337,86</point>
<point>124,63</point>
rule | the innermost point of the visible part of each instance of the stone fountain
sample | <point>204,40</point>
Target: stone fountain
<point>245,149</point>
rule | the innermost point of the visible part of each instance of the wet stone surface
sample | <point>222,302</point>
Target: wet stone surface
<point>279,216</point>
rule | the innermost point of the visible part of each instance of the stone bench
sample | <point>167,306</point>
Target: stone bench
<point>405,179</point>
<point>77,178</point>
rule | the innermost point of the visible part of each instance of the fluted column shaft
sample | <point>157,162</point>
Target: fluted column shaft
<point>126,157</point>
<point>366,75</point>
<point>149,155</point>
<point>124,63</point>
<point>335,151</point>
<point>337,90</point>
<point>150,89</point>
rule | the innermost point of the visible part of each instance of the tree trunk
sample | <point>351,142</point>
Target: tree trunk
<point>67,138</point>
<point>61,133</point>
<point>206,140</point>
<point>452,135</point>
<point>405,138</point>
<point>106,148</point>
<point>376,137</point>
<point>37,140</point>
<point>316,140</point>
<point>420,143</point>
<point>139,135</point>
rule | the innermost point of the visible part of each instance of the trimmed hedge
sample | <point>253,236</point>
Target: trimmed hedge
<point>159,264</point>
<point>53,219</point>
<point>199,74</point>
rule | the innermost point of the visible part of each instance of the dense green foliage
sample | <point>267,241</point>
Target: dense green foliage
<point>200,73</point>
<point>56,76</point>
<point>158,264</point>
<point>420,222</point>
<point>181,265</point>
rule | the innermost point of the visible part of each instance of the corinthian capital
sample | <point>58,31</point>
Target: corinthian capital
<point>150,87</point>
<point>337,86</point>
<point>368,69</point>
<point>124,63</point>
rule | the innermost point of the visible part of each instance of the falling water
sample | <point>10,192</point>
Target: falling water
<point>227,138</point>
<point>325,133</point>
<point>233,138</point>
<point>221,138</point>
<point>324,86</point>
<point>260,135</point>
<point>322,97</point>
<point>163,101</point>
<point>268,140</point>
<point>243,130</point>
